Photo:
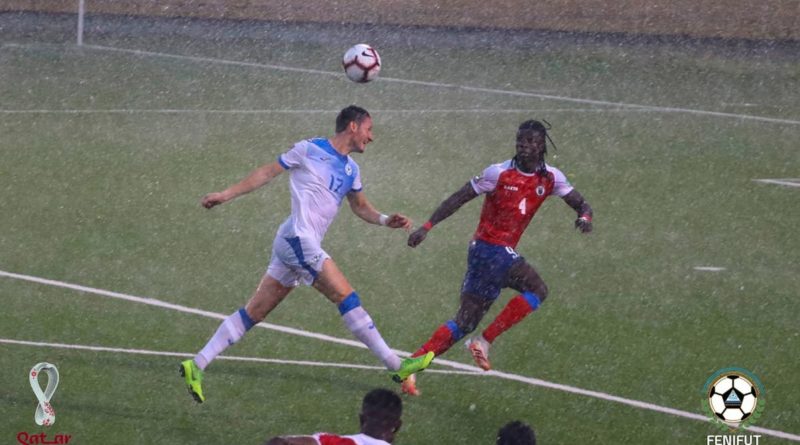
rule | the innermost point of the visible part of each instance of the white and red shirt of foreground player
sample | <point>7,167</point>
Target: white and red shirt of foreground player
<point>356,439</point>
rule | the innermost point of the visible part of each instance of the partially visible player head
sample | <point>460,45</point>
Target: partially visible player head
<point>380,414</point>
<point>531,146</point>
<point>516,433</point>
<point>354,127</point>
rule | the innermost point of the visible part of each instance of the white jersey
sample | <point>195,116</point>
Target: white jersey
<point>320,179</point>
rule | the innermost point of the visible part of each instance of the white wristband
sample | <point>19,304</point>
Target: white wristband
<point>383,219</point>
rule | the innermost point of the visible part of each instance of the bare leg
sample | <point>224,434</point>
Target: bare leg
<point>524,279</point>
<point>473,309</point>
<point>332,283</point>
<point>470,312</point>
<point>266,297</point>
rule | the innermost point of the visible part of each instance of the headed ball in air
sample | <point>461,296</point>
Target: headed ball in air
<point>361,63</point>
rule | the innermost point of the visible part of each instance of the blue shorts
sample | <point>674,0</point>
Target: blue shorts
<point>487,269</point>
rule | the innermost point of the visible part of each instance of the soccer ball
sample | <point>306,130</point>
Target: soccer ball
<point>361,63</point>
<point>733,398</point>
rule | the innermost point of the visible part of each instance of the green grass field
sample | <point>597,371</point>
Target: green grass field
<point>105,154</point>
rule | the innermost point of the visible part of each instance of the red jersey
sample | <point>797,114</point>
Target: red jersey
<point>512,198</point>
<point>356,439</point>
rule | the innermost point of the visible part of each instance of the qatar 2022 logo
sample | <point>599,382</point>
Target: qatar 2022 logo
<point>734,398</point>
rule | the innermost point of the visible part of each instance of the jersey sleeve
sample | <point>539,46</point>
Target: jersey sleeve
<point>487,181</point>
<point>293,157</point>
<point>357,186</point>
<point>333,439</point>
<point>561,186</point>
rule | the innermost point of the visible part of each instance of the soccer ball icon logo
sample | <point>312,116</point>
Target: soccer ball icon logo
<point>734,397</point>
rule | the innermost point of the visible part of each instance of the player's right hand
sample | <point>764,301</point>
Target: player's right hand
<point>417,237</point>
<point>212,199</point>
<point>584,224</point>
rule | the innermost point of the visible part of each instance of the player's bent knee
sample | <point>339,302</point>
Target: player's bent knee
<point>542,292</point>
<point>538,287</point>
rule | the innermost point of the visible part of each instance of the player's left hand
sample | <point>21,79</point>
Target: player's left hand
<point>398,221</point>
<point>583,224</point>
<point>417,237</point>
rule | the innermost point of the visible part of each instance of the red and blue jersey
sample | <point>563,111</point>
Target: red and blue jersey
<point>512,198</point>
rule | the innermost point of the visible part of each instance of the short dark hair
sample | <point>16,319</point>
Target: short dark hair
<point>516,433</point>
<point>350,114</point>
<point>382,403</point>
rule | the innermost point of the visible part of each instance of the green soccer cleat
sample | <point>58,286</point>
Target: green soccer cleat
<point>412,366</point>
<point>194,379</point>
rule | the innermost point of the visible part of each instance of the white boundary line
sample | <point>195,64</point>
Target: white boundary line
<point>317,111</point>
<point>221,357</point>
<point>434,84</point>
<point>452,364</point>
<point>789,182</point>
<point>709,268</point>
<point>450,85</point>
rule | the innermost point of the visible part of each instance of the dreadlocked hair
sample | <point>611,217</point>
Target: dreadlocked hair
<point>534,125</point>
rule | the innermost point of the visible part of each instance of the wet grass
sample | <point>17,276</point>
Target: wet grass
<point>110,200</point>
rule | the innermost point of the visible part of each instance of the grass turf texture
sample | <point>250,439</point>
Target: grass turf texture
<point>111,200</point>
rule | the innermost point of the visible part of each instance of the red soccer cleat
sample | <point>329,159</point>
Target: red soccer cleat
<point>479,348</point>
<point>409,386</point>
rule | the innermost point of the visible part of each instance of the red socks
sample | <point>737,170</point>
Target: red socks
<point>516,309</point>
<point>447,334</point>
<point>441,340</point>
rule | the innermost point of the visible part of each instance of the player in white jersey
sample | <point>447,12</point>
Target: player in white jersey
<point>379,419</point>
<point>322,175</point>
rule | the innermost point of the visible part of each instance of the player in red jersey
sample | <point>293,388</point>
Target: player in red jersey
<point>380,415</point>
<point>514,191</point>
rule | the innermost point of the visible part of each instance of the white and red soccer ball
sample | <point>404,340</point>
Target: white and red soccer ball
<point>361,63</point>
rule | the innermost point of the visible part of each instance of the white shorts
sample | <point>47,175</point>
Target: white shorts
<point>295,261</point>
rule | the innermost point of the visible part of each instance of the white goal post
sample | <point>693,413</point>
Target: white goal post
<point>81,13</point>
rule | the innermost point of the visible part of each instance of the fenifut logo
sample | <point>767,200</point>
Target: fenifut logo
<point>734,398</point>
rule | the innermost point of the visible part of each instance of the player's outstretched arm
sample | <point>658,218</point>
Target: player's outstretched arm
<point>254,180</point>
<point>446,208</point>
<point>361,206</point>
<point>575,200</point>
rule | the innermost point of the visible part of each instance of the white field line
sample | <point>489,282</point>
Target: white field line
<point>221,357</point>
<point>316,111</point>
<point>435,84</point>
<point>449,363</point>
<point>448,85</point>
<point>184,309</point>
<point>709,268</point>
<point>789,182</point>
